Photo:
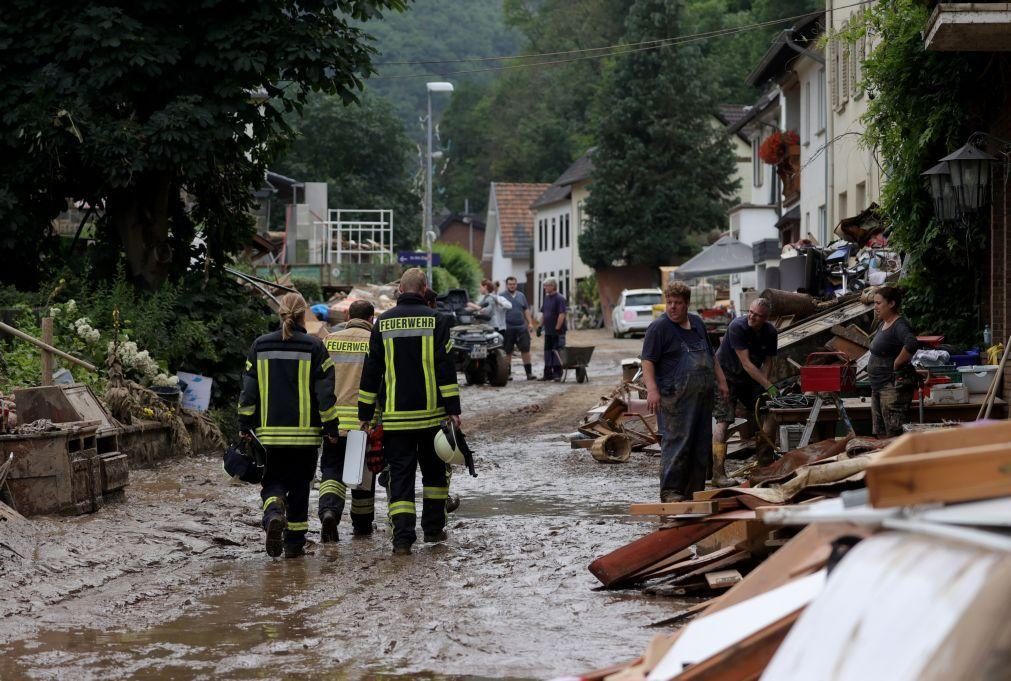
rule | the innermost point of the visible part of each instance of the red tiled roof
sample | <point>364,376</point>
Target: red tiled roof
<point>515,219</point>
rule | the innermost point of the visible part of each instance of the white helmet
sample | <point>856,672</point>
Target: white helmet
<point>447,444</point>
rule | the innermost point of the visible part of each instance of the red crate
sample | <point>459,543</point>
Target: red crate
<point>930,341</point>
<point>821,376</point>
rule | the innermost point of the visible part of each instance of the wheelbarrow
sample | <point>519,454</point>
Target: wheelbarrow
<point>575,358</point>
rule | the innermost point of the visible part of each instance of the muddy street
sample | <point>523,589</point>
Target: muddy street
<point>173,582</point>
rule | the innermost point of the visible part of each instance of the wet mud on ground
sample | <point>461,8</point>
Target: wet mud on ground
<point>173,582</point>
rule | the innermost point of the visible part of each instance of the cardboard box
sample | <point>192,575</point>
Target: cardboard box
<point>957,464</point>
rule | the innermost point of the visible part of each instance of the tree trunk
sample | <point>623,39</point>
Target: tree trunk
<point>140,216</point>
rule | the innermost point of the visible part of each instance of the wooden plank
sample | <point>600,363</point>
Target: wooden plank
<point>853,334</point>
<point>647,572</point>
<point>618,565</point>
<point>684,566</point>
<point>822,322</point>
<point>742,514</point>
<point>680,507</point>
<point>747,658</point>
<point>954,475</point>
<point>775,570</point>
<point>847,347</point>
<point>713,566</point>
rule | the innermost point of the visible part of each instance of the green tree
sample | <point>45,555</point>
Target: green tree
<point>360,150</point>
<point>662,170</point>
<point>162,114</point>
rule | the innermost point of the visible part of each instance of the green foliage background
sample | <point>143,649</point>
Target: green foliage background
<point>926,104</point>
<point>464,268</point>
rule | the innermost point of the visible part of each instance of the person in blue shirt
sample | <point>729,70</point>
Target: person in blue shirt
<point>681,376</point>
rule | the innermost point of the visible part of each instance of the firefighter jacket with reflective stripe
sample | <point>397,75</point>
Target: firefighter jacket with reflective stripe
<point>287,395</point>
<point>409,365</point>
<point>348,349</point>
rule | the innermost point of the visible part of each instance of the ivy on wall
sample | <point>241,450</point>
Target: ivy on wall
<point>924,105</point>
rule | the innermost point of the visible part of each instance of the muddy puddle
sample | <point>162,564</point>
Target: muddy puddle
<point>173,584</point>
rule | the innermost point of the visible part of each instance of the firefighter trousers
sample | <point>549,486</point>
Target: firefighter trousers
<point>333,493</point>
<point>287,476</point>
<point>405,451</point>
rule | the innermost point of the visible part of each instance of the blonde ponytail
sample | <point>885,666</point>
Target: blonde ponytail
<point>292,312</point>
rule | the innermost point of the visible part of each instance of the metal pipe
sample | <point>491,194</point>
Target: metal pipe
<point>258,279</point>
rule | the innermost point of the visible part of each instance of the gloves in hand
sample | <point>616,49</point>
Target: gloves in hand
<point>772,391</point>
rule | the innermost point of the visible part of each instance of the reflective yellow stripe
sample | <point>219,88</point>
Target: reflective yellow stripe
<point>365,397</point>
<point>333,487</point>
<point>290,440</point>
<point>304,401</point>
<point>363,505</point>
<point>298,527</point>
<point>289,430</point>
<point>412,424</point>
<point>398,507</point>
<point>328,415</point>
<point>249,365</point>
<point>269,501</point>
<point>327,363</point>
<point>246,411</point>
<point>263,380</point>
<point>452,390</point>
<point>435,492</point>
<point>449,345</point>
<point>391,376</point>
<point>428,369</point>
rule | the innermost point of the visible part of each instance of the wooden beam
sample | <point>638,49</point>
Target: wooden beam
<point>45,346</point>
<point>47,358</point>
<point>681,507</point>
<point>746,659</point>
<point>613,568</point>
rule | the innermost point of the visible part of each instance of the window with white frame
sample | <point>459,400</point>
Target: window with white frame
<point>757,171</point>
<point>568,234</point>
<point>554,229</point>
<point>822,223</point>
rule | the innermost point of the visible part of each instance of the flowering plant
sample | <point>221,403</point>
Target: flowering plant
<point>775,148</point>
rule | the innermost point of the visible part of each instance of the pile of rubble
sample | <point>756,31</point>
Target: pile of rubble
<point>826,566</point>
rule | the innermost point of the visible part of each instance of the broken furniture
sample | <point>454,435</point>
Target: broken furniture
<point>72,469</point>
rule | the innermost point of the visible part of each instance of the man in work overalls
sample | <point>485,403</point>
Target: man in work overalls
<point>348,348</point>
<point>680,373</point>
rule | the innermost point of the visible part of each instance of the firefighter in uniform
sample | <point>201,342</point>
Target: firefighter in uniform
<point>409,363</point>
<point>348,348</point>
<point>287,399</point>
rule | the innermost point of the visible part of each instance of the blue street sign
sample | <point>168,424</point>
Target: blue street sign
<point>417,258</point>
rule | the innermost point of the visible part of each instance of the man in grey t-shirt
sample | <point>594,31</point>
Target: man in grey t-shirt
<point>519,322</point>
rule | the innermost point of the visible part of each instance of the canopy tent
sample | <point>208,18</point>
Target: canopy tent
<point>726,256</point>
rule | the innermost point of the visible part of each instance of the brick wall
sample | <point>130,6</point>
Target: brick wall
<point>999,271</point>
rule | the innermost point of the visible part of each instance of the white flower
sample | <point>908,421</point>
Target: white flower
<point>54,311</point>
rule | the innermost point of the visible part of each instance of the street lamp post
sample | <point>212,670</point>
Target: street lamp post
<point>427,237</point>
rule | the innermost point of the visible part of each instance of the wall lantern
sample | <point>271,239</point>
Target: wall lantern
<point>942,192</point>
<point>969,168</point>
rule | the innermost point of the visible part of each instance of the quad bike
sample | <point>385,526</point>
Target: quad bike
<point>477,346</point>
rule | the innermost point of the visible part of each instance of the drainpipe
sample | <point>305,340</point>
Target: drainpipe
<point>818,59</point>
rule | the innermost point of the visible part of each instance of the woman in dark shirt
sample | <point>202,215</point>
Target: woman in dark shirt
<point>892,376</point>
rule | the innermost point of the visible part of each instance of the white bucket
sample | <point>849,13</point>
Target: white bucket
<point>978,378</point>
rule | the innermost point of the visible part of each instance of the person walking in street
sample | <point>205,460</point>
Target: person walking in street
<point>348,349</point>
<point>553,320</point>
<point>519,324</point>
<point>287,400</point>
<point>409,363</point>
<point>892,376</point>
<point>491,306</point>
<point>681,376</point>
<point>745,355</point>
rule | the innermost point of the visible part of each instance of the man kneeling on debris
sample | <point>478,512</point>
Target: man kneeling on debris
<point>680,373</point>
<point>745,356</point>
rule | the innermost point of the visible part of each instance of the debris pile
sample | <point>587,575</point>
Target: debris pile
<point>829,557</point>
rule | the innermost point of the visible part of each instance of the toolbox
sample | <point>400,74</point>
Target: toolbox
<point>828,372</point>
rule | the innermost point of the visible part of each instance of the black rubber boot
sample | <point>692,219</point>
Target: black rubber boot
<point>328,518</point>
<point>436,537</point>
<point>275,533</point>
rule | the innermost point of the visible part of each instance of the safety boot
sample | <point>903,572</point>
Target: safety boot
<point>436,537</point>
<point>275,532</point>
<point>294,550</point>
<point>669,496</point>
<point>361,530</point>
<point>328,518</point>
<point>720,477</point>
<point>404,550</point>
<point>452,503</point>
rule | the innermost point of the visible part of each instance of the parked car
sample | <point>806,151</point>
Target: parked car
<point>634,311</point>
